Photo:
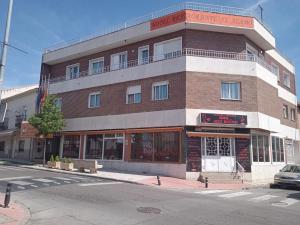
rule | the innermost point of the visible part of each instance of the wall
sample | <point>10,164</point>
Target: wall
<point>264,174</point>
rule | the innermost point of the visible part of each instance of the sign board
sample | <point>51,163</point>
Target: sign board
<point>202,18</point>
<point>226,119</point>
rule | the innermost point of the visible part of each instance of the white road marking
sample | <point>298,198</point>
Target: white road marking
<point>19,182</point>
<point>45,184</point>
<point>63,178</point>
<point>285,203</point>
<point>56,182</point>
<point>262,198</point>
<point>206,192</point>
<point>67,182</point>
<point>20,187</point>
<point>34,186</point>
<point>96,184</point>
<point>15,178</point>
<point>80,178</point>
<point>43,180</point>
<point>12,168</point>
<point>235,194</point>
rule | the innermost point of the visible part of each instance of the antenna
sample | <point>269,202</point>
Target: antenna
<point>261,12</point>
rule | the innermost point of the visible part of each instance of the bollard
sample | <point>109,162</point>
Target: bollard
<point>158,180</point>
<point>206,182</point>
<point>7,195</point>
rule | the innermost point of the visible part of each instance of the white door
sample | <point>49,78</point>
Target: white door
<point>218,155</point>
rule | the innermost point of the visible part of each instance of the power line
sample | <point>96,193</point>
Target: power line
<point>14,47</point>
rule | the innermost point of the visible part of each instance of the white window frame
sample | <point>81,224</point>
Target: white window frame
<point>293,114</point>
<point>252,50</point>
<point>91,61</point>
<point>283,146</point>
<point>257,133</point>
<point>140,50</point>
<point>68,71</point>
<point>127,94</point>
<point>286,74</point>
<point>56,100</point>
<point>231,82</point>
<point>285,111</point>
<point>161,83</point>
<point>89,102</point>
<point>118,66</point>
<point>274,65</point>
<point>162,57</point>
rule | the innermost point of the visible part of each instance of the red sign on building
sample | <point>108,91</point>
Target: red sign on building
<point>223,119</point>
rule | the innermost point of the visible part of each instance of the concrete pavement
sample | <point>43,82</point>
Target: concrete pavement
<point>87,200</point>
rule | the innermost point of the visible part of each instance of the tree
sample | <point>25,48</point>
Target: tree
<point>48,121</point>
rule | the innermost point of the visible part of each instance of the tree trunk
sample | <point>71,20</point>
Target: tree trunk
<point>44,153</point>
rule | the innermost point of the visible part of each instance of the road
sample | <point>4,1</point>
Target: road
<point>55,198</point>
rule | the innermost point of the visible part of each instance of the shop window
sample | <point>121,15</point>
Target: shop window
<point>2,146</point>
<point>94,145</point>
<point>21,145</point>
<point>159,147</point>
<point>260,148</point>
<point>277,149</point>
<point>113,148</point>
<point>71,146</point>
<point>231,91</point>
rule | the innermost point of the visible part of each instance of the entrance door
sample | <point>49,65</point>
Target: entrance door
<point>218,155</point>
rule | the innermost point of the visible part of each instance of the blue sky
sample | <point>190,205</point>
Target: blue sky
<point>37,24</point>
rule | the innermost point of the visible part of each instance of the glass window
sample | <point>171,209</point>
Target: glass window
<point>94,145</point>
<point>166,146</point>
<point>230,90</point>
<point>94,100</point>
<point>293,114</point>
<point>254,148</point>
<point>285,111</point>
<point>58,103</point>
<point>113,149</point>
<point>266,149</point>
<point>96,66</point>
<point>134,95</point>
<point>71,146</point>
<point>2,146</point>
<point>277,149</point>
<point>142,146</point>
<point>275,69</point>
<point>260,148</point>
<point>160,91</point>
<point>118,61</point>
<point>72,71</point>
<point>286,79</point>
<point>21,145</point>
<point>143,55</point>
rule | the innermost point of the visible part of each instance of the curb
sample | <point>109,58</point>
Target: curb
<point>28,214</point>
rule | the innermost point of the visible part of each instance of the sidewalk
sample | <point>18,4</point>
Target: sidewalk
<point>16,214</point>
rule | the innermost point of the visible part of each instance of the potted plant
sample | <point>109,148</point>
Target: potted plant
<point>54,162</point>
<point>67,164</point>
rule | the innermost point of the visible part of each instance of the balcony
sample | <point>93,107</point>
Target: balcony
<point>19,120</point>
<point>187,52</point>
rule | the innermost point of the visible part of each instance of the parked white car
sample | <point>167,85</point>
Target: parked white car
<point>288,176</point>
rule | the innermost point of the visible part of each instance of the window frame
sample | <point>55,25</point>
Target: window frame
<point>118,66</point>
<point>157,57</point>
<point>293,114</point>
<point>285,109</point>
<point>158,84</point>
<point>281,145</point>
<point>134,94</point>
<point>268,150</point>
<point>89,100</point>
<point>140,56</point>
<point>56,100</point>
<point>286,74</point>
<point>21,142</point>
<point>230,92</point>
<point>68,74</point>
<point>274,65</point>
<point>96,60</point>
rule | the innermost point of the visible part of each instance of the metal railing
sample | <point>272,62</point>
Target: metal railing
<point>175,8</point>
<point>172,55</point>
<point>240,170</point>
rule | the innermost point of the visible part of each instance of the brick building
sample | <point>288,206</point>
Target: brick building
<point>189,90</point>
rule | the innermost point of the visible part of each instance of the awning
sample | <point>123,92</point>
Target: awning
<point>221,135</point>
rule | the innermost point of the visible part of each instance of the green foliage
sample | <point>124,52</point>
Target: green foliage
<point>67,160</point>
<point>50,120</point>
<point>51,158</point>
<point>57,158</point>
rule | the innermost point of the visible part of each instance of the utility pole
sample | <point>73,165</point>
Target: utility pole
<point>5,42</point>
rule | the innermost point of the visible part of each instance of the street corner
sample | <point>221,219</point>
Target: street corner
<point>15,214</point>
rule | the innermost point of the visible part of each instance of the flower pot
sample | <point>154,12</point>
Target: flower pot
<point>55,165</point>
<point>67,166</point>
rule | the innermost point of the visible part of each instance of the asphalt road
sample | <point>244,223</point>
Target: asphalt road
<point>55,198</point>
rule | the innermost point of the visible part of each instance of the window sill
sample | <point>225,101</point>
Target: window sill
<point>234,100</point>
<point>158,100</point>
<point>94,107</point>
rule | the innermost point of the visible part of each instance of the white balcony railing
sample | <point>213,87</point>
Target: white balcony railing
<point>196,6</point>
<point>184,52</point>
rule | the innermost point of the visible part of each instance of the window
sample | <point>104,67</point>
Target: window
<point>251,52</point>
<point>286,80</point>
<point>72,71</point>
<point>94,100</point>
<point>159,147</point>
<point>293,114</point>
<point>231,91</point>
<point>71,146</point>
<point>167,49</point>
<point>21,145</point>
<point>285,111</point>
<point>96,66</point>
<point>94,146</point>
<point>58,103</point>
<point>260,148</point>
<point>277,149</point>
<point>2,146</point>
<point>118,61</point>
<point>275,69</point>
<point>113,147</point>
<point>160,91</point>
<point>134,94</point>
<point>143,54</point>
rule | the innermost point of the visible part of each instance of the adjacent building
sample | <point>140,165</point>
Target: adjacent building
<point>17,105</point>
<point>189,90</point>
